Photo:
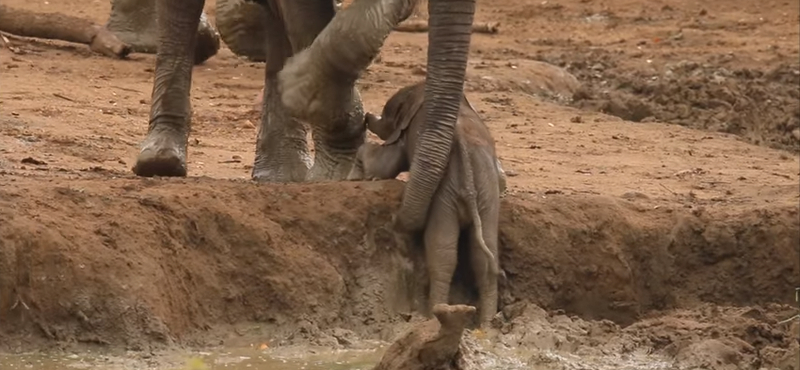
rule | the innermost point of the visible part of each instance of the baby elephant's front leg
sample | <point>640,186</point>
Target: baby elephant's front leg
<point>378,162</point>
<point>357,172</point>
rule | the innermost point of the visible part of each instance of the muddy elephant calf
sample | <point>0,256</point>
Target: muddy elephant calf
<point>467,197</point>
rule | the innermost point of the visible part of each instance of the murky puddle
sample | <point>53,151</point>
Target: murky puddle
<point>229,359</point>
<point>312,358</point>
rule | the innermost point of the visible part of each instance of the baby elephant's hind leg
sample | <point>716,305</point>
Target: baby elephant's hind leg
<point>485,280</point>
<point>441,247</point>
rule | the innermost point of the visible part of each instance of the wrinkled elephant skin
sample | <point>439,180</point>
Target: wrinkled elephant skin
<point>134,23</point>
<point>310,76</point>
<point>467,197</point>
<point>242,28</point>
<point>305,79</point>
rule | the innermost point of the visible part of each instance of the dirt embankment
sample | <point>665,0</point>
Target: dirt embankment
<point>760,105</point>
<point>139,262</point>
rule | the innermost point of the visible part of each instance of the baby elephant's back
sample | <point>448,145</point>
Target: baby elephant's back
<point>479,151</point>
<point>471,128</point>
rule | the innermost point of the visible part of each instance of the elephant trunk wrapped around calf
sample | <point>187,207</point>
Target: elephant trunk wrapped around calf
<point>467,197</point>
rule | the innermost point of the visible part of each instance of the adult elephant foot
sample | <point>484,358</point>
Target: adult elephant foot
<point>281,148</point>
<point>338,140</point>
<point>134,23</point>
<point>163,153</point>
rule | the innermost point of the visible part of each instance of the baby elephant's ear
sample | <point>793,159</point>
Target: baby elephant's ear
<point>378,125</point>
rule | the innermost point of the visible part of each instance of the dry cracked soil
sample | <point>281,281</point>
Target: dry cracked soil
<point>652,210</point>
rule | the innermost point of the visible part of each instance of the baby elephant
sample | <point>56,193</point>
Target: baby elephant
<point>468,195</point>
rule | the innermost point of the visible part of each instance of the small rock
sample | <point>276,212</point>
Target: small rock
<point>30,160</point>
<point>515,310</point>
<point>344,337</point>
<point>634,195</point>
<point>497,321</point>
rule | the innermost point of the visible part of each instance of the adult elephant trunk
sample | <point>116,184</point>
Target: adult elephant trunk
<point>313,79</point>
<point>449,34</point>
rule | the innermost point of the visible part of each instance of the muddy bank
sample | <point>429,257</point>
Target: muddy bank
<point>706,337</point>
<point>717,93</point>
<point>135,263</point>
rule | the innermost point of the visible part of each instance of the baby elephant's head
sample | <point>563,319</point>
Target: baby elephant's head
<point>397,113</point>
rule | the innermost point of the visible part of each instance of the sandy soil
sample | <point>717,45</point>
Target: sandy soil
<point>653,203</point>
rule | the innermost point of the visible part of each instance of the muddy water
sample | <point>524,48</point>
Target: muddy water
<point>309,359</point>
<point>302,359</point>
<point>230,359</point>
<point>313,358</point>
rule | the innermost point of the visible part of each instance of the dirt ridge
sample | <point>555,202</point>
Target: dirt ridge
<point>161,266</point>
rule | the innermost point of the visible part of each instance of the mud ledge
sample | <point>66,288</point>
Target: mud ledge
<point>133,263</point>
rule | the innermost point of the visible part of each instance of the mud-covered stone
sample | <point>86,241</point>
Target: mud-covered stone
<point>432,345</point>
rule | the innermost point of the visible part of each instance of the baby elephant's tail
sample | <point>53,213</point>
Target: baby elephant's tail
<point>472,204</point>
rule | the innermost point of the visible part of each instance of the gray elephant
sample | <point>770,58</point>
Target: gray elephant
<point>241,26</point>
<point>468,196</point>
<point>134,23</point>
<point>310,77</point>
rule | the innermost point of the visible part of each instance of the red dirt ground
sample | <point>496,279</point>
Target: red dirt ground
<point>659,190</point>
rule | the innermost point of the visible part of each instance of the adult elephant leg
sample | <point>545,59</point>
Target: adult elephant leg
<point>339,131</point>
<point>448,50</point>
<point>134,22</point>
<point>337,139</point>
<point>441,248</point>
<point>163,151</point>
<point>281,147</point>
<point>241,25</point>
